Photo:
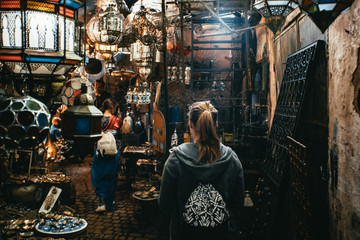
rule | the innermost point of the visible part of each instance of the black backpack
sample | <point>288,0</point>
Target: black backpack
<point>205,215</point>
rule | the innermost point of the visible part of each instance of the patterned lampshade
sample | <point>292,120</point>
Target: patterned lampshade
<point>105,30</point>
<point>274,8</point>
<point>147,26</point>
<point>39,37</point>
<point>24,121</point>
<point>72,88</point>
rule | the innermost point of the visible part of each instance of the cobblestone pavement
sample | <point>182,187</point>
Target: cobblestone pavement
<point>129,219</point>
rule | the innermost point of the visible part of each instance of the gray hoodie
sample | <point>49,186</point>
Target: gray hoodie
<point>182,174</point>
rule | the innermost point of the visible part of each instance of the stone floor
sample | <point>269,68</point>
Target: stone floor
<point>129,219</point>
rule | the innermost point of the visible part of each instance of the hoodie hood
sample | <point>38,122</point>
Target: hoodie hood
<point>188,154</point>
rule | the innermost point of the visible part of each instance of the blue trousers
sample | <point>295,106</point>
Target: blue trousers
<point>104,172</point>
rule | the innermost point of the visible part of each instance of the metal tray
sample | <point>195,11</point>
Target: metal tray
<point>51,231</point>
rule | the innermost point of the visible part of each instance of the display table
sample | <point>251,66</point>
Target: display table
<point>32,189</point>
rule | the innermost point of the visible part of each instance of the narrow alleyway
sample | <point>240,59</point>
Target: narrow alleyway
<point>130,219</point>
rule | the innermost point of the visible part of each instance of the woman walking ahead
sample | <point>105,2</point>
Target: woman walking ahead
<point>104,168</point>
<point>198,174</point>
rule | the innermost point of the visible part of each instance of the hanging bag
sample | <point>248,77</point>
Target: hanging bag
<point>106,145</point>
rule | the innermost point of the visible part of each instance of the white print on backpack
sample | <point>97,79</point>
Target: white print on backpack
<point>205,207</point>
<point>106,145</point>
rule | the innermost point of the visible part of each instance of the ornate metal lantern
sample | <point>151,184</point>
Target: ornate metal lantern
<point>82,121</point>
<point>39,38</point>
<point>324,12</point>
<point>147,26</point>
<point>39,42</point>
<point>105,30</point>
<point>275,11</point>
<point>274,8</point>
<point>144,57</point>
<point>24,121</point>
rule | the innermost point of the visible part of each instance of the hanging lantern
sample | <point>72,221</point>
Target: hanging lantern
<point>110,65</point>
<point>144,57</point>
<point>140,52</point>
<point>274,11</point>
<point>324,12</point>
<point>39,37</point>
<point>72,89</point>
<point>274,8</point>
<point>24,121</point>
<point>82,121</point>
<point>105,30</point>
<point>147,26</point>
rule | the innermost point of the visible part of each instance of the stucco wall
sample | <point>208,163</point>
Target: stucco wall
<point>344,125</point>
<point>343,43</point>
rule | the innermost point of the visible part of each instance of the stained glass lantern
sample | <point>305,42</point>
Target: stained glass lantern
<point>72,88</point>
<point>24,121</point>
<point>82,121</point>
<point>324,12</point>
<point>105,30</point>
<point>39,37</point>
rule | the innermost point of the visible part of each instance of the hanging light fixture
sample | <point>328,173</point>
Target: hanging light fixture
<point>275,11</point>
<point>144,57</point>
<point>72,88</point>
<point>145,34</point>
<point>24,121</point>
<point>82,121</point>
<point>46,44</point>
<point>324,12</point>
<point>274,8</point>
<point>105,30</point>
<point>39,40</point>
<point>147,26</point>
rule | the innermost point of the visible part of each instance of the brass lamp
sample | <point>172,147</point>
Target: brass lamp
<point>105,30</point>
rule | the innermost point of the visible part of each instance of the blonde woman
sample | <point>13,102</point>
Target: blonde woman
<point>205,161</point>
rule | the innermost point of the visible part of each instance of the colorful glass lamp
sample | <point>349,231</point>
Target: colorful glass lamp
<point>72,89</point>
<point>324,12</point>
<point>39,37</point>
<point>24,121</point>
